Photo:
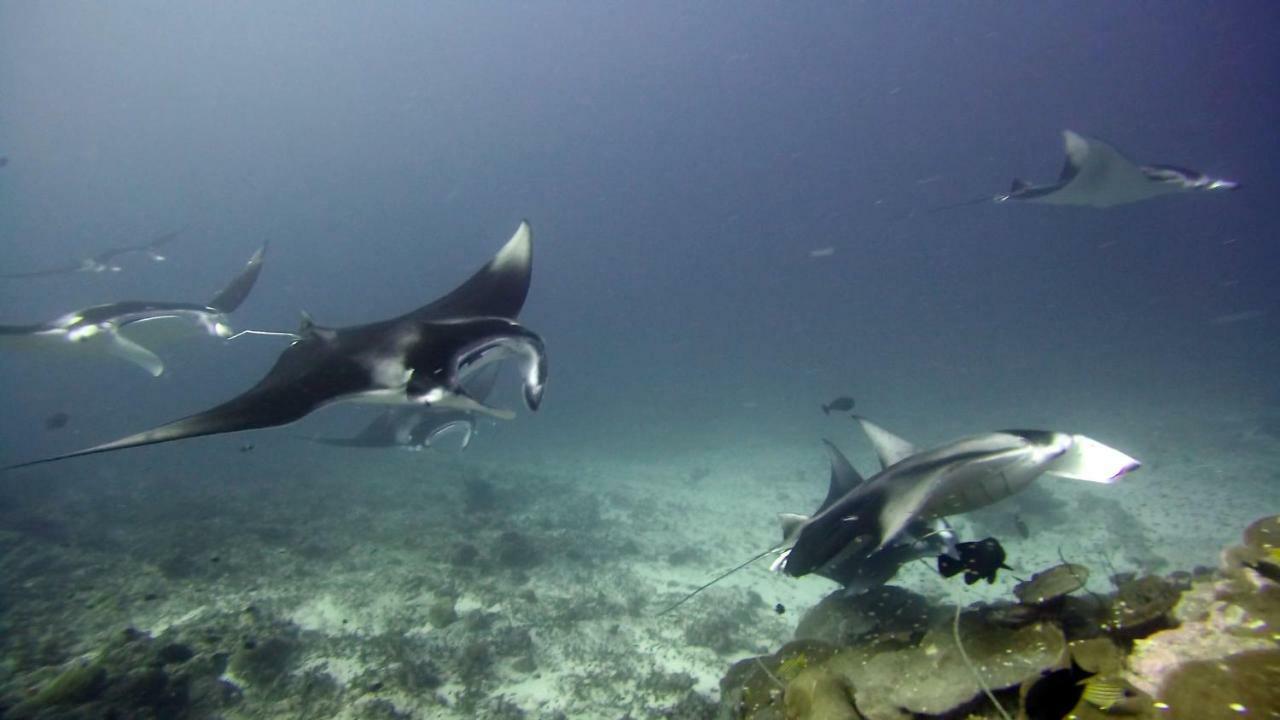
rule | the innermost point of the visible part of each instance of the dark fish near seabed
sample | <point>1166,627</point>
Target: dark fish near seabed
<point>978,560</point>
<point>1056,693</point>
<point>844,403</point>
<point>56,421</point>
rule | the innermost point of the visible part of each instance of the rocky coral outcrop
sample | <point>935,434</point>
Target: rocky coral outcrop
<point>1201,647</point>
<point>1223,658</point>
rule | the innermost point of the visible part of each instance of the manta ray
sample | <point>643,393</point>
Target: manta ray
<point>920,486</point>
<point>108,328</point>
<point>422,358</point>
<point>864,530</point>
<point>417,428</point>
<point>103,261</point>
<point>408,428</point>
<point>1095,174</point>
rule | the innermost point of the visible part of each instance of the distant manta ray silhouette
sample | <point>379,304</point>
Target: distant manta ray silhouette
<point>1097,175</point>
<point>102,261</point>
<point>107,328</point>
<point>421,358</point>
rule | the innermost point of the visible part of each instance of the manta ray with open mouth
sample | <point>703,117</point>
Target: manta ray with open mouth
<point>422,358</point>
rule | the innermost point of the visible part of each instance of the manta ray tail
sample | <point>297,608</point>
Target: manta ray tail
<point>235,293</point>
<point>713,581</point>
<point>247,412</point>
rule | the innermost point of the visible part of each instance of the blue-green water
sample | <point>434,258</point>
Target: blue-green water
<point>733,219</point>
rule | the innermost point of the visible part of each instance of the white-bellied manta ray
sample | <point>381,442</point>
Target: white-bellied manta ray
<point>1095,174</point>
<point>416,427</point>
<point>420,358</point>
<point>104,261</point>
<point>916,486</point>
<point>864,530</point>
<point>408,428</point>
<point>107,328</point>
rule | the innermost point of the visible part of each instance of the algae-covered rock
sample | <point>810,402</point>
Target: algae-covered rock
<point>1263,534</point>
<point>933,678</point>
<point>819,694</point>
<point>1242,685</point>
<point>753,688</point>
<point>1051,584</point>
<point>1140,607</point>
<point>1232,615</point>
<point>881,614</point>
<point>1097,655</point>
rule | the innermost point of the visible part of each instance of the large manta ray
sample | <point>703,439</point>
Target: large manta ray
<point>1095,174</point>
<point>864,530</point>
<point>420,358</point>
<point>920,486</point>
<point>103,261</point>
<point>117,328</point>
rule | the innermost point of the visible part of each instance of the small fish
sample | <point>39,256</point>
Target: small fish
<point>1102,693</point>
<point>978,560</point>
<point>780,608</point>
<point>247,447</point>
<point>822,252</point>
<point>844,403</point>
<point>56,421</point>
<point>3,161</point>
<point>1021,526</point>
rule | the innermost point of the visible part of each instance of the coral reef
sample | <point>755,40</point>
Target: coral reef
<point>1187,647</point>
<point>1223,658</point>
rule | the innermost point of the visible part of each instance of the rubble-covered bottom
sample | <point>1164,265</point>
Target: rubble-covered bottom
<point>477,592</point>
<point>482,591</point>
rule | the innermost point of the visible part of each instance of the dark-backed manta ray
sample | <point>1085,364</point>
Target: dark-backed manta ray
<point>917,486</point>
<point>108,328</point>
<point>104,261</point>
<point>1095,174</point>
<point>423,358</point>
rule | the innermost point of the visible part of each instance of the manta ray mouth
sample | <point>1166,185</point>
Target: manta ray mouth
<point>527,348</point>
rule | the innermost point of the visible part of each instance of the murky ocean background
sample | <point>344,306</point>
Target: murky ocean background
<point>732,214</point>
